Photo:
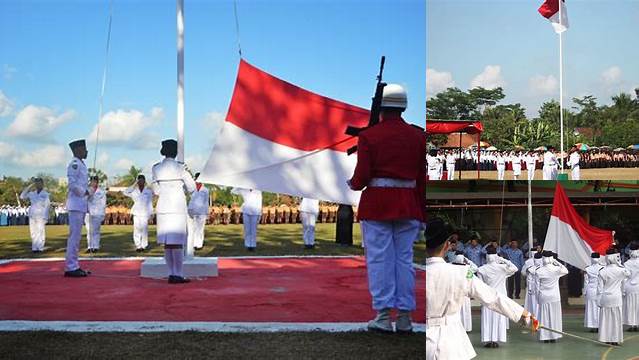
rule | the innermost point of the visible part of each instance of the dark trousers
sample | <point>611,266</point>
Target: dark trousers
<point>514,282</point>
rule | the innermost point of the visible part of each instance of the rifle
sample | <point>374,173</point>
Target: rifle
<point>375,108</point>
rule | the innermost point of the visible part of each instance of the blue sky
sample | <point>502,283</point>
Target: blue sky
<point>52,58</point>
<point>507,43</point>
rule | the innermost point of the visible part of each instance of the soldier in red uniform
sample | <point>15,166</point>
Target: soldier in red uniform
<point>392,171</point>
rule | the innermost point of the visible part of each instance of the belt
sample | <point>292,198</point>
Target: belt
<point>392,183</point>
<point>442,320</point>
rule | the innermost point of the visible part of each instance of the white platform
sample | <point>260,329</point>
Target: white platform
<point>155,267</point>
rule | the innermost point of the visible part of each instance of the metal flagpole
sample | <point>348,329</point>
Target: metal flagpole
<point>180,79</point>
<point>561,87</point>
<point>530,223</point>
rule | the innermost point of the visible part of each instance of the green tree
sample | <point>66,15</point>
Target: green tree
<point>130,177</point>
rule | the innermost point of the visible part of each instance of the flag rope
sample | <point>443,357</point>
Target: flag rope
<point>104,76</point>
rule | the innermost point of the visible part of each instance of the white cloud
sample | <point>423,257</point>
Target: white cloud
<point>8,71</point>
<point>438,81</point>
<point>6,105</point>
<point>213,119</point>
<point>543,85</point>
<point>490,78</point>
<point>123,164</point>
<point>611,76</point>
<point>129,127</point>
<point>48,156</point>
<point>37,122</point>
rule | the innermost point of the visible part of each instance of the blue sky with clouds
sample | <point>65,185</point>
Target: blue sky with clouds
<point>507,43</point>
<point>52,58</point>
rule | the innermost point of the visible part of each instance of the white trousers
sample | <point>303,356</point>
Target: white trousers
<point>591,312</point>
<point>433,175</point>
<point>196,230</point>
<point>389,262</point>
<point>516,171</point>
<point>250,229</point>
<point>308,227</point>
<point>76,219</point>
<point>36,230</point>
<point>140,231</point>
<point>500,172</point>
<point>531,172</point>
<point>450,172</point>
<point>631,309</point>
<point>93,224</point>
<point>576,173</point>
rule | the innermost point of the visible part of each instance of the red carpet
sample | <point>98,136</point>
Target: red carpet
<point>247,290</point>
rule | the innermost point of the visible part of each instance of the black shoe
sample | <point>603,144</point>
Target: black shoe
<point>517,297</point>
<point>75,273</point>
<point>309,246</point>
<point>250,248</point>
<point>488,345</point>
<point>495,345</point>
<point>178,280</point>
<point>198,248</point>
<point>139,250</point>
<point>553,341</point>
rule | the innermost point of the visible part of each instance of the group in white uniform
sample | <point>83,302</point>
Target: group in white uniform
<point>38,212</point>
<point>448,286</point>
<point>170,181</point>
<point>198,213</point>
<point>142,210</point>
<point>251,214</point>
<point>494,273</point>
<point>95,215</point>
<point>309,209</point>
<point>591,298</point>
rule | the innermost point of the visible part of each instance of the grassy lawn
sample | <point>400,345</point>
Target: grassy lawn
<point>220,240</point>
<point>191,345</point>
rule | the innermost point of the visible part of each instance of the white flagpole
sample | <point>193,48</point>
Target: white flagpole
<point>180,79</point>
<point>561,87</point>
<point>530,223</point>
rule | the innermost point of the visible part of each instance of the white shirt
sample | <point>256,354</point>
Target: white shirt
<point>199,203</point>
<point>591,277</point>
<point>252,201</point>
<point>610,284</point>
<point>310,206</point>
<point>169,181</point>
<point>494,274</point>
<point>448,285</point>
<point>550,160</point>
<point>450,159</point>
<point>97,202</point>
<point>39,203</point>
<point>632,283</point>
<point>501,162</point>
<point>574,160</point>
<point>142,200</point>
<point>433,163</point>
<point>548,281</point>
<point>78,179</point>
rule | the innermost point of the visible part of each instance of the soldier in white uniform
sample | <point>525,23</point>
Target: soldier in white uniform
<point>515,159</point>
<point>591,278</point>
<point>77,206</point>
<point>548,296</point>
<point>501,166</point>
<point>450,165</point>
<point>251,214</point>
<point>198,213</point>
<point>528,270</point>
<point>550,164</point>
<point>609,289</point>
<point>142,210</point>
<point>573,162</point>
<point>631,290</point>
<point>170,180</point>
<point>309,209</point>
<point>447,286</point>
<point>531,164</point>
<point>95,216</point>
<point>433,165</point>
<point>38,212</point>
<point>465,312</point>
<point>494,273</point>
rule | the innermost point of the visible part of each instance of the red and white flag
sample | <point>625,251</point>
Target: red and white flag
<point>550,10</point>
<point>281,138</point>
<point>570,236</point>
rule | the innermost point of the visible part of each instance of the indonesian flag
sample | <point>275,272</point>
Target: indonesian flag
<point>570,236</point>
<point>550,10</point>
<point>281,138</point>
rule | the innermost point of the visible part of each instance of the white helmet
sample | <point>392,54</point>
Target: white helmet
<point>394,96</point>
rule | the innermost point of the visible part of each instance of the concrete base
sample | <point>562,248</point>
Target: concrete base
<point>155,267</point>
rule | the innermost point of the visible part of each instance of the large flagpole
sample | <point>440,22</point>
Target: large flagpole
<point>180,79</point>
<point>561,86</point>
<point>530,219</point>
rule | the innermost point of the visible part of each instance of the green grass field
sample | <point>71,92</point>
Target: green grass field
<point>220,240</point>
